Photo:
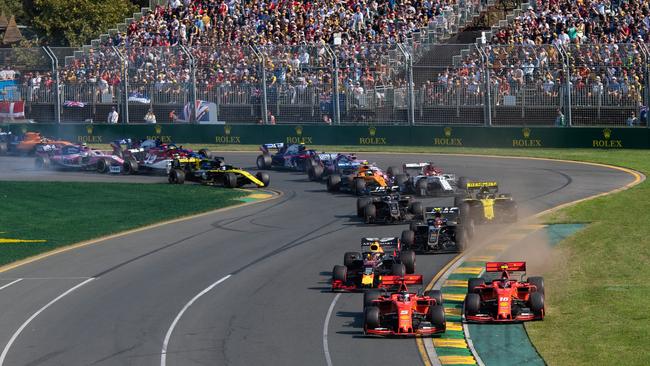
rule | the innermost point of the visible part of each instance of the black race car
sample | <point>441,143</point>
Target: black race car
<point>443,232</point>
<point>386,205</point>
<point>281,156</point>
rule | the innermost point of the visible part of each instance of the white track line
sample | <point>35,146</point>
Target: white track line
<point>26,323</point>
<point>163,353</point>
<point>10,283</point>
<point>326,348</point>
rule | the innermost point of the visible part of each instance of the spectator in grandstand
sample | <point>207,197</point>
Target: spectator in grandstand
<point>113,116</point>
<point>632,120</point>
<point>172,116</point>
<point>150,117</point>
<point>559,120</point>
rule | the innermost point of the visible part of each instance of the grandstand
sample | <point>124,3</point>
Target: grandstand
<point>365,62</point>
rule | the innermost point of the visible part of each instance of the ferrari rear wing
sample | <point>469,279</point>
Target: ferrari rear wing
<point>398,280</point>
<point>505,266</point>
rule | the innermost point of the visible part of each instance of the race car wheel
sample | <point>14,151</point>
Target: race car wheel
<point>42,162</point>
<point>370,213</point>
<point>437,316</point>
<point>538,282</point>
<point>333,182</point>
<point>400,180</point>
<point>472,304</point>
<point>537,303</point>
<point>434,294</point>
<point>131,166</point>
<point>369,296</point>
<point>264,178</point>
<point>408,260</point>
<point>176,176</point>
<point>398,269</point>
<point>315,173</point>
<point>408,238</point>
<point>371,318</point>
<point>340,273</point>
<point>358,186</point>
<point>461,239</point>
<point>417,210</point>
<point>421,187</point>
<point>462,182</point>
<point>473,283</point>
<point>392,171</point>
<point>362,202</point>
<point>230,180</point>
<point>102,166</point>
<point>263,162</point>
<point>349,259</point>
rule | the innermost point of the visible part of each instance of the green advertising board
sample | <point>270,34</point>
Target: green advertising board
<point>461,136</point>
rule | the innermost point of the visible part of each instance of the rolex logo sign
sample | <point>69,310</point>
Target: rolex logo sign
<point>372,138</point>
<point>447,139</point>
<point>89,136</point>
<point>526,132</point>
<point>227,137</point>
<point>299,138</point>
<point>607,141</point>
<point>23,129</point>
<point>448,131</point>
<point>299,130</point>
<point>89,129</point>
<point>526,141</point>
<point>227,129</point>
<point>158,129</point>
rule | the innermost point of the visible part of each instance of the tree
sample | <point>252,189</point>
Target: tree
<point>15,8</point>
<point>76,22</point>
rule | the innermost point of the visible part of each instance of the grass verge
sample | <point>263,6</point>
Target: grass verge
<point>63,213</point>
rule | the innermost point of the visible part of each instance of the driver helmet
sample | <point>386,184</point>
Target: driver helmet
<point>437,222</point>
<point>405,297</point>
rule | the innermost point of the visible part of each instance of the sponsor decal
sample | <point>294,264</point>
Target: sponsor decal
<point>526,141</point>
<point>89,138</point>
<point>299,138</point>
<point>165,139</point>
<point>448,140</point>
<point>372,138</point>
<point>607,141</point>
<point>227,138</point>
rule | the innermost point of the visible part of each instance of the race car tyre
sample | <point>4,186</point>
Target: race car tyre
<point>461,239</point>
<point>421,187</point>
<point>3,148</point>
<point>473,283</point>
<point>42,162</point>
<point>264,178</point>
<point>465,212</point>
<point>398,269</point>
<point>333,183</point>
<point>538,282</point>
<point>408,260</point>
<point>102,166</point>
<point>462,182</point>
<point>408,238</point>
<point>369,296</point>
<point>315,173</point>
<point>472,304</point>
<point>370,213</point>
<point>437,317</point>
<point>362,202</point>
<point>400,180</point>
<point>470,227</point>
<point>358,186</point>
<point>131,166</point>
<point>340,273</point>
<point>263,161</point>
<point>230,180</point>
<point>417,210</point>
<point>371,318</point>
<point>349,258</point>
<point>435,294</point>
<point>536,300</point>
<point>176,176</point>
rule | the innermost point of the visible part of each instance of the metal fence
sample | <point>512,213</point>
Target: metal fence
<point>411,83</point>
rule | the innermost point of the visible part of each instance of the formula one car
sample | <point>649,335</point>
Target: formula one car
<point>326,164</point>
<point>425,179</point>
<point>77,157</point>
<point>293,157</point>
<point>484,204</point>
<point>443,232</point>
<point>504,299</point>
<point>147,155</point>
<point>379,257</point>
<point>29,144</point>
<point>213,172</point>
<point>386,205</point>
<point>403,313</point>
<point>360,181</point>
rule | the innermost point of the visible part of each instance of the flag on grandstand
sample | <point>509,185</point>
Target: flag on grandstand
<point>139,98</point>
<point>74,104</point>
<point>12,109</point>
<point>206,112</point>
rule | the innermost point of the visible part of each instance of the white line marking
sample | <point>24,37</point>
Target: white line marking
<point>10,283</point>
<point>26,323</point>
<point>326,348</point>
<point>163,353</point>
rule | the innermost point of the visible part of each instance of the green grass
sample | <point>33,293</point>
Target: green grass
<point>65,213</point>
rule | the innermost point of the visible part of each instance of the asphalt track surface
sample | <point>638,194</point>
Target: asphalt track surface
<point>278,254</point>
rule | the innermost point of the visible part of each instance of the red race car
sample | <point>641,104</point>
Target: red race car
<point>504,299</point>
<point>403,313</point>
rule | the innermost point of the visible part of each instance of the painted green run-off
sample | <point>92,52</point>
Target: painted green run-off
<point>453,351</point>
<point>558,232</point>
<point>454,290</point>
<point>452,334</point>
<point>503,345</point>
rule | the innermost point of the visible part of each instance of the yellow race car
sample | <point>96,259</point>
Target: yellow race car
<point>482,203</point>
<point>213,172</point>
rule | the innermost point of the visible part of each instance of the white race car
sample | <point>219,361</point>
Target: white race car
<point>425,179</point>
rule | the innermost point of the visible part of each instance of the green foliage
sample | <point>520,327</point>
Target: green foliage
<point>76,22</point>
<point>15,8</point>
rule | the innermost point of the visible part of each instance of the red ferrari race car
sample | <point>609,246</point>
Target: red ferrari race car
<point>403,313</point>
<point>504,299</point>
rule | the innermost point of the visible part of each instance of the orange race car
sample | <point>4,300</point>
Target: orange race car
<point>32,142</point>
<point>360,180</point>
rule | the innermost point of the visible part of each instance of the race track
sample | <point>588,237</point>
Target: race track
<point>266,266</point>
